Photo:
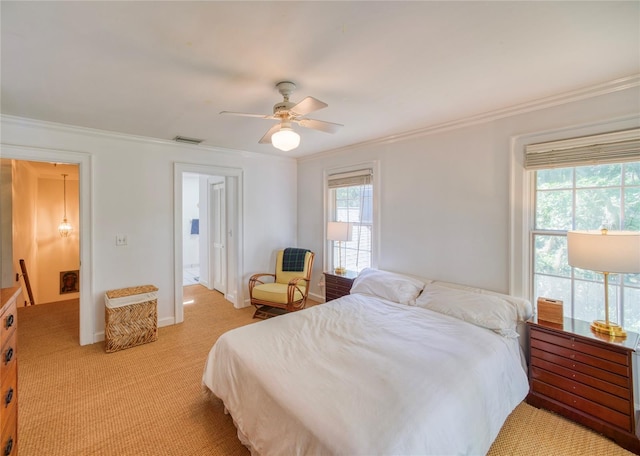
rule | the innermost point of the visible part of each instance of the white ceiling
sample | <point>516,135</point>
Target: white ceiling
<point>161,69</point>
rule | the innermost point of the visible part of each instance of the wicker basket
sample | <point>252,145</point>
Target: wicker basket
<point>131,317</point>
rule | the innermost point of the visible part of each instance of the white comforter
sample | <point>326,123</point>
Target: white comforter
<point>365,376</point>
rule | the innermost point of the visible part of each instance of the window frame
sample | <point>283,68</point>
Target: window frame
<point>521,195</point>
<point>618,310</point>
<point>374,166</point>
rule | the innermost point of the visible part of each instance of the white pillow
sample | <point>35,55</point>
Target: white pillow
<point>523,306</point>
<point>387,285</point>
<point>487,311</point>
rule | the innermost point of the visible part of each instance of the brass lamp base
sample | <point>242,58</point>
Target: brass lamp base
<point>608,328</point>
<point>340,271</point>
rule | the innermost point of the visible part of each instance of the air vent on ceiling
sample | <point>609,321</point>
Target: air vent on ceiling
<point>184,139</point>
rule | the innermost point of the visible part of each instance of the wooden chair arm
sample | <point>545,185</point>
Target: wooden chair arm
<point>295,281</point>
<point>291,290</point>
<point>256,279</point>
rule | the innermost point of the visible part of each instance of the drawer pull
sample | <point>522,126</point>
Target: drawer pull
<point>8,356</point>
<point>8,448</point>
<point>8,322</point>
<point>8,398</point>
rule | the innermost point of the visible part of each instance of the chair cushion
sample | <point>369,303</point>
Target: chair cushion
<point>274,292</point>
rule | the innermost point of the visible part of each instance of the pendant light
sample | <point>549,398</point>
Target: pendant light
<point>64,228</point>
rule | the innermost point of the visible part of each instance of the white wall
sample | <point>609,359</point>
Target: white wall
<point>7,273</point>
<point>132,194</point>
<point>444,205</point>
<point>25,238</point>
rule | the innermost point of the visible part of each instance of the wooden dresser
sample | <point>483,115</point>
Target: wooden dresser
<point>338,285</point>
<point>9,371</point>
<point>585,377</point>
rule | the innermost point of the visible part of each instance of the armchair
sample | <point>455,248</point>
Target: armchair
<point>287,289</point>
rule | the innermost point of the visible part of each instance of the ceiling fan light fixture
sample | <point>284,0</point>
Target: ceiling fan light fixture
<point>285,139</point>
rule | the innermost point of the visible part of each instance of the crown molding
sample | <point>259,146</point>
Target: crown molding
<point>615,85</point>
<point>96,133</point>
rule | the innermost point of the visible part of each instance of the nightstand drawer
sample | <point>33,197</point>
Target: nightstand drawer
<point>597,395</point>
<point>557,363</point>
<point>616,362</point>
<point>572,343</point>
<point>621,420</point>
<point>337,286</point>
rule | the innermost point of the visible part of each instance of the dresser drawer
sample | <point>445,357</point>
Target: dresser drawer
<point>617,363</point>
<point>579,347</point>
<point>339,283</point>
<point>9,319</point>
<point>8,355</point>
<point>8,394</point>
<point>330,296</point>
<point>337,286</point>
<point>596,395</point>
<point>9,436</point>
<point>547,360</point>
<point>573,401</point>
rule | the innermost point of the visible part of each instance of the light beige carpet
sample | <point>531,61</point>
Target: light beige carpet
<point>148,400</point>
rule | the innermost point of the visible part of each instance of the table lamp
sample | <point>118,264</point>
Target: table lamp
<point>339,231</point>
<point>605,252</point>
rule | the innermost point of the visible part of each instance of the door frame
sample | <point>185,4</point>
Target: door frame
<point>83,160</point>
<point>234,225</point>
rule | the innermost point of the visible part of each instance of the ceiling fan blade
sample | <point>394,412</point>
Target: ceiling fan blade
<point>244,114</point>
<point>307,105</point>
<point>320,125</point>
<point>266,139</point>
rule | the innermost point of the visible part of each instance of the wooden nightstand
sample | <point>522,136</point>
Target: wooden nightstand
<point>577,374</point>
<point>337,285</point>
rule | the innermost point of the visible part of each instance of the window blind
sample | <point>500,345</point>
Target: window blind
<point>350,179</point>
<point>616,147</point>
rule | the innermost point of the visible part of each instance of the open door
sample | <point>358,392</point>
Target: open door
<point>218,224</point>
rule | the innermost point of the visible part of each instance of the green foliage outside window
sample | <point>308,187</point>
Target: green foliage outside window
<point>585,198</point>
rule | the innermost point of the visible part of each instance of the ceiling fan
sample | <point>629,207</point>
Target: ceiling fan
<point>281,135</point>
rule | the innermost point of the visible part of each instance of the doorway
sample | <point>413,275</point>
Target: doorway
<point>216,225</point>
<point>44,230</point>
<point>83,163</point>
<point>204,240</point>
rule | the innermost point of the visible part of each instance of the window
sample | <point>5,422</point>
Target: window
<point>584,196</point>
<point>351,200</point>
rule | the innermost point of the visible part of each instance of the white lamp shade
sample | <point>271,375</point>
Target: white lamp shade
<point>285,139</point>
<point>339,231</point>
<point>615,251</point>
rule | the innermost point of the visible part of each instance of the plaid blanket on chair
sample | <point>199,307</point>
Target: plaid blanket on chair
<point>293,259</point>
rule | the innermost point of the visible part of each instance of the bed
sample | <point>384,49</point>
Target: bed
<point>399,366</point>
